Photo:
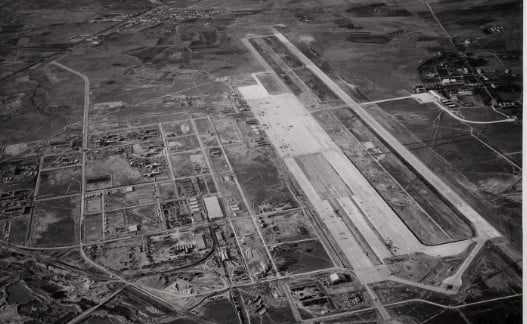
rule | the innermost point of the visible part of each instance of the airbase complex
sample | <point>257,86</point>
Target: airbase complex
<point>321,161</point>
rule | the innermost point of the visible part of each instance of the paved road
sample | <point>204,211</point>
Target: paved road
<point>442,107</point>
<point>84,145</point>
<point>477,122</point>
<point>248,207</point>
<point>82,316</point>
<point>419,300</point>
<point>456,280</point>
<point>86,102</point>
<point>385,100</point>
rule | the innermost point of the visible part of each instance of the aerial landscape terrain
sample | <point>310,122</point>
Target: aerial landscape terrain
<point>261,161</point>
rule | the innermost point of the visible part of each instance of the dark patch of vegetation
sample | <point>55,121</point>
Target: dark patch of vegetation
<point>378,10</point>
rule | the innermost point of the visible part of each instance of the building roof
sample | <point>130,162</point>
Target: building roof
<point>200,241</point>
<point>213,207</point>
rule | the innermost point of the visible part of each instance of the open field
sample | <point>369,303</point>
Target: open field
<point>270,83</point>
<point>55,222</point>
<point>120,255</point>
<point>478,14</point>
<point>435,214</point>
<point>474,171</point>
<point>227,131</point>
<point>425,269</point>
<point>391,292</point>
<point>257,166</point>
<point>129,196</point>
<point>253,248</point>
<point>166,190</point>
<point>422,312</point>
<point>188,164</point>
<point>146,218</point>
<point>183,143</point>
<point>22,150</point>
<point>509,310</point>
<point>93,227</point>
<point>40,107</point>
<point>262,49</point>
<point>492,274</point>
<point>124,166</point>
<point>18,230</point>
<point>192,281</point>
<point>178,128</point>
<point>300,257</point>
<point>219,309</point>
<point>356,60</point>
<point>59,182</point>
<point>285,227</point>
<point>270,296</point>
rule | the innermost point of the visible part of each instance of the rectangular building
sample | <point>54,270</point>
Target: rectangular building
<point>212,205</point>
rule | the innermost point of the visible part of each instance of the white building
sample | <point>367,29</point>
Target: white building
<point>436,95</point>
<point>212,205</point>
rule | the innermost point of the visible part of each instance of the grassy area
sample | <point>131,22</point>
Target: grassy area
<point>55,222</point>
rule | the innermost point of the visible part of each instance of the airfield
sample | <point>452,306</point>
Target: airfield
<point>260,162</point>
<point>337,190</point>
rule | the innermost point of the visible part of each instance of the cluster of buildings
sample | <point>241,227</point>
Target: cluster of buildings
<point>260,140</point>
<point>15,203</point>
<point>65,160</point>
<point>449,76</point>
<point>238,100</point>
<point>142,135</point>
<point>257,305</point>
<point>494,29</point>
<point>171,247</point>
<point>177,213</point>
<point>73,143</point>
<point>17,171</point>
<point>164,13</point>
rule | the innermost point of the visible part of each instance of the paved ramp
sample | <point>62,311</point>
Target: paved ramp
<point>297,136</point>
